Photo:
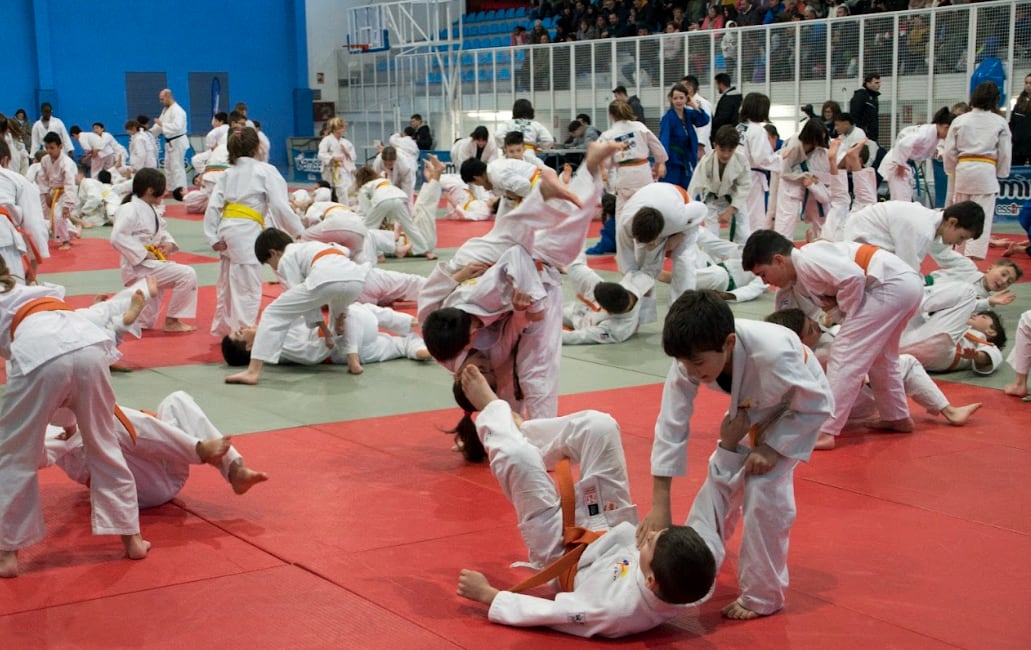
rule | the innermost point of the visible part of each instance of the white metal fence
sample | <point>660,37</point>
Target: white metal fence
<point>925,59</point>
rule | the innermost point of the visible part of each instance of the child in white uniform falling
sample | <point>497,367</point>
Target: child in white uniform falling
<point>603,312</point>
<point>57,359</point>
<point>778,390</point>
<point>179,434</point>
<point>144,243</point>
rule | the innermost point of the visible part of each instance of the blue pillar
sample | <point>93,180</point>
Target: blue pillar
<point>45,91</point>
<point>304,123</point>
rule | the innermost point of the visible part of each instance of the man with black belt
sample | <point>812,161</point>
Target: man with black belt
<point>172,125</point>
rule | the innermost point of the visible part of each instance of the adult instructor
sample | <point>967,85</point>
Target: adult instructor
<point>172,125</point>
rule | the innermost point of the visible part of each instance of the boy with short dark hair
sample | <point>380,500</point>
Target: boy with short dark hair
<point>603,312</point>
<point>778,395</point>
<point>723,180</point>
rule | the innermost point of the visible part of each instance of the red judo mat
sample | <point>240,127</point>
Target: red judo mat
<point>93,254</point>
<point>357,539</point>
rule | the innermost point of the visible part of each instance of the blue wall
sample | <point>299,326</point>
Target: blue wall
<point>87,47</point>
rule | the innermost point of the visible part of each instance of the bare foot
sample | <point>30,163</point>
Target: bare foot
<point>958,415</point>
<point>994,242</point>
<point>246,377</point>
<point>67,246</point>
<point>8,564</point>
<point>826,442</point>
<point>738,612</point>
<point>904,425</point>
<point>212,451</point>
<point>135,546</point>
<point>476,388</point>
<point>1016,389</point>
<point>176,325</point>
<point>136,305</point>
<point>243,478</point>
<point>423,355</point>
<point>431,256</point>
<point>402,248</point>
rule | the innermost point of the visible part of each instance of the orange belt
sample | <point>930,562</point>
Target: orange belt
<point>53,206</point>
<point>576,538</point>
<point>959,349</point>
<point>124,420</point>
<point>381,184</point>
<point>864,255</point>
<point>324,252</point>
<point>36,306</point>
<point>535,177</point>
<point>27,262</point>
<point>980,159</point>
<point>593,306</point>
<point>633,162</point>
<point>683,193</point>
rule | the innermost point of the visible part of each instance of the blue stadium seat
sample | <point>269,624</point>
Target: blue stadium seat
<point>490,15</point>
<point>467,59</point>
<point>548,22</point>
<point>485,58</point>
<point>553,34</point>
<point>503,58</point>
<point>520,12</point>
<point>486,74</point>
<point>474,17</point>
<point>510,12</point>
<point>499,41</point>
<point>468,76</point>
<point>504,74</point>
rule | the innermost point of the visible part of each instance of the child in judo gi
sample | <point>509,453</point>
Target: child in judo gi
<point>723,180</point>
<point>1020,358</point>
<point>778,391</point>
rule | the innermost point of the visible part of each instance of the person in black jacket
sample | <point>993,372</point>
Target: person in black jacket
<point>423,137</point>
<point>1020,125</point>
<point>728,105</point>
<point>864,106</point>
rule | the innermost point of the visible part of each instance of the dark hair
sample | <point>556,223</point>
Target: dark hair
<point>727,136</point>
<point>132,126</point>
<point>147,178</point>
<point>270,239</point>
<point>465,430</point>
<point>480,133</point>
<point>870,76</point>
<point>943,116</point>
<point>104,176</point>
<point>222,117</point>
<point>985,96</point>
<point>472,168</point>
<point>45,105</point>
<point>446,332</point>
<point>612,297</point>
<point>409,131</point>
<point>793,319</point>
<point>999,340</point>
<point>584,117</point>
<point>699,321</point>
<point>242,143</point>
<point>236,116</point>
<point>772,130</point>
<point>5,151</point>
<point>364,175</point>
<point>762,245</point>
<point>621,90</point>
<point>814,133</point>
<point>646,225</point>
<point>691,81</point>
<point>678,88</point>
<point>574,126</point>
<point>968,216</point>
<point>100,124</point>
<point>143,120</point>
<point>388,153</point>
<point>621,110</point>
<point>844,117</point>
<point>683,566</point>
<point>235,352</point>
<point>722,78</point>
<point>833,105</point>
<point>755,107</point>
<point>74,131</point>
<point>522,109</point>
<point>514,137</point>
<point>1008,263</point>
<point>416,116</point>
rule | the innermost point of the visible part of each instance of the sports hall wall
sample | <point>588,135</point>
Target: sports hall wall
<point>76,55</point>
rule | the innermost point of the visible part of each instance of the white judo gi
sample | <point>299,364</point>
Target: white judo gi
<point>771,367</point>
<point>464,202</point>
<point>763,160</point>
<point>873,304</point>
<point>907,229</point>
<point>977,153</point>
<point>792,200</point>
<point>1020,356</point>
<point>160,457</point>
<point>54,125</point>
<point>379,200</point>
<point>384,287</point>
<point>681,217</point>
<point>173,127</point>
<point>259,188</point>
<point>338,165</point>
<point>535,135</point>
<point>465,148</point>
<point>57,359</point>
<point>23,230</point>
<point>101,150</point>
<point>309,283</point>
<point>629,170</point>
<point>589,322</point>
<point>915,143</point>
<point>58,194</point>
<point>511,180</point>
<point>143,152</point>
<point>720,191</point>
<point>720,269</point>
<point>335,223</point>
<point>401,176</point>
<point>137,226</point>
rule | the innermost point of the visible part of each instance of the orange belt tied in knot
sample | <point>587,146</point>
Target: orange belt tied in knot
<point>576,538</point>
<point>125,422</point>
<point>34,307</point>
<point>324,252</point>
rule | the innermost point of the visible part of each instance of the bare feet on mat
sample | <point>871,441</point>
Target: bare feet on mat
<point>8,564</point>
<point>825,442</point>
<point>476,388</point>
<point>243,478</point>
<point>958,415</point>
<point>135,546</point>
<point>738,612</point>
<point>246,377</point>
<point>67,246</point>
<point>175,325</point>
<point>1016,389</point>
<point>212,451</point>
<point>903,425</point>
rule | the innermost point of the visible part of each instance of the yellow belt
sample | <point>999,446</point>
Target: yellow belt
<point>240,211</point>
<point>157,252</point>
<point>633,162</point>
<point>381,184</point>
<point>980,159</point>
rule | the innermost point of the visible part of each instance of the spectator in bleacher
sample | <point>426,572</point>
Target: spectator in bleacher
<point>728,45</point>
<point>647,14</point>
<point>844,45</point>
<point>673,52</point>
<point>616,28</point>
<point>1020,125</point>
<point>587,31</point>
<point>728,104</point>
<point>865,107</point>
<point>601,25</point>
<point>748,14</point>
<point>814,46</point>
<point>619,92</point>
<point>423,136</point>
<point>565,24</point>
<point>772,11</point>
<point>520,36</point>
<point>714,17</point>
<point>541,57</point>
<point>537,32</point>
<point>694,12</point>
<point>914,54</point>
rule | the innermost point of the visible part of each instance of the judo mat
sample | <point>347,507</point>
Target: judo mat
<point>97,254</point>
<point>902,540</point>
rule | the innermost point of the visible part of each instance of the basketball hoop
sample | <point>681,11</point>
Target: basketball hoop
<point>357,48</point>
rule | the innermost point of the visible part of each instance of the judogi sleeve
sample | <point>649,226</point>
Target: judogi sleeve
<point>672,428</point>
